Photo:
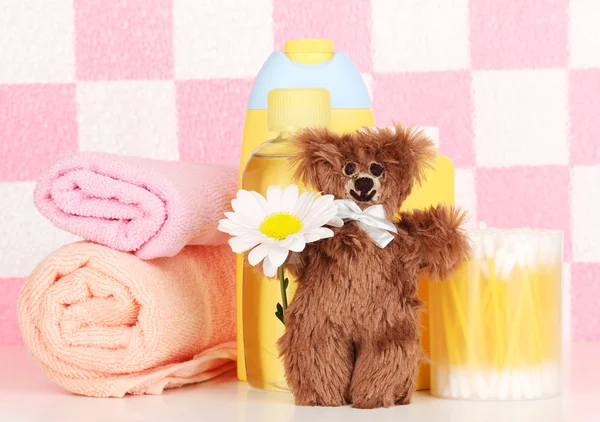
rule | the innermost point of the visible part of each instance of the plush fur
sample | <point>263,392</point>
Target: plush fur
<point>352,328</point>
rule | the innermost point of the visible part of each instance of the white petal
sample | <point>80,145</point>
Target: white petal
<point>317,234</point>
<point>327,215</point>
<point>289,198</point>
<point>335,222</point>
<point>269,240</point>
<point>241,221</point>
<point>330,206</point>
<point>242,244</point>
<point>239,232</point>
<point>245,205</point>
<point>225,227</point>
<point>304,204</point>
<point>294,242</point>
<point>320,213</point>
<point>258,254</point>
<point>274,193</point>
<point>311,216</point>
<point>325,200</point>
<point>268,268</point>
<point>277,255</point>
<point>228,226</point>
<point>261,201</point>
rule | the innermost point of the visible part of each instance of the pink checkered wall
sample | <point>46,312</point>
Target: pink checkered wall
<point>513,86</point>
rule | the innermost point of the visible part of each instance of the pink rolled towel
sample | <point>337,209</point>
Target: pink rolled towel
<point>150,207</point>
<point>104,323</point>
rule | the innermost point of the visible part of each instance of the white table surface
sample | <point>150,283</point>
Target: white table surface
<point>27,395</point>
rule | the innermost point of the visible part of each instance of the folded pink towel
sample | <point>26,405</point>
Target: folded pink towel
<point>104,323</point>
<point>149,207</point>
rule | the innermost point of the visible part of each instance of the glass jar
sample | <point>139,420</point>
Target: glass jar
<point>495,325</point>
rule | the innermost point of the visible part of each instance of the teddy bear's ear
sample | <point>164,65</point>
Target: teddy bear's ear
<point>416,147</point>
<point>317,152</point>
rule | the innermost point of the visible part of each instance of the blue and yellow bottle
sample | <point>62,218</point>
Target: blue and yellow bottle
<point>313,63</point>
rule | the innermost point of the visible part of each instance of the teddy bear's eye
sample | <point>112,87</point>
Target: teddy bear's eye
<point>350,169</point>
<point>376,169</point>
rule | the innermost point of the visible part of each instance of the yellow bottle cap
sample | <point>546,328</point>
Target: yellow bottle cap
<point>291,109</point>
<point>309,51</point>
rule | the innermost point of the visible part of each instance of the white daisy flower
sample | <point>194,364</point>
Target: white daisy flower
<point>285,221</point>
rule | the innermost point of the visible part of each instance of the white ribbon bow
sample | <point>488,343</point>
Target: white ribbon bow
<point>372,220</point>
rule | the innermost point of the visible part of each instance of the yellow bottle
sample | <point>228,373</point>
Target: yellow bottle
<point>304,63</point>
<point>289,110</point>
<point>438,188</point>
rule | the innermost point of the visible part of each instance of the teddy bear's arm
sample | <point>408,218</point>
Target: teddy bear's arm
<point>440,245</point>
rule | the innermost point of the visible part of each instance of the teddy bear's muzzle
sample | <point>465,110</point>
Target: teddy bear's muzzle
<point>363,189</point>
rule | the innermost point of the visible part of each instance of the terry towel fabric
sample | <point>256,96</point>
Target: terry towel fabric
<point>104,323</point>
<point>150,207</point>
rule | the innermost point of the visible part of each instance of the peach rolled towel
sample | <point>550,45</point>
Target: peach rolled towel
<point>105,323</point>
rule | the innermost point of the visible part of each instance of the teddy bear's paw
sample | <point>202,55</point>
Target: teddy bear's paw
<point>404,399</point>
<point>311,400</point>
<point>372,402</point>
<point>300,401</point>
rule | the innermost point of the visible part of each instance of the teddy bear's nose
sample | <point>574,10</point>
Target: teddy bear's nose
<point>363,184</point>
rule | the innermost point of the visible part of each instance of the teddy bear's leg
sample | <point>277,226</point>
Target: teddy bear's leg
<point>318,360</point>
<point>385,372</point>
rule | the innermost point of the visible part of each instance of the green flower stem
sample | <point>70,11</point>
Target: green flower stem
<point>283,286</point>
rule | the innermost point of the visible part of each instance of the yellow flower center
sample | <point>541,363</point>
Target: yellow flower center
<point>280,225</point>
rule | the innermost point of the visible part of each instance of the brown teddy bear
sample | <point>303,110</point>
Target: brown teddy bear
<point>352,333</point>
